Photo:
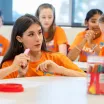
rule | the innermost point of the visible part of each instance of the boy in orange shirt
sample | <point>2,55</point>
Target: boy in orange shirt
<point>4,43</point>
<point>87,42</point>
<point>27,33</point>
<point>56,40</point>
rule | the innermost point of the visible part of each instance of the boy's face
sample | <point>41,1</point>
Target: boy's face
<point>101,25</point>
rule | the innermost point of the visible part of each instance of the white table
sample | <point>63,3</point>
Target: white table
<point>95,99</point>
<point>82,65</point>
<point>47,90</point>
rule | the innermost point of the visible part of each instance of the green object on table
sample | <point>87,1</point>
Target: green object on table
<point>47,73</point>
<point>99,68</point>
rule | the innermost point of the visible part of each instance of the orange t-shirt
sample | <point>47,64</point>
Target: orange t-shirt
<point>58,58</point>
<point>86,51</point>
<point>4,44</point>
<point>58,39</point>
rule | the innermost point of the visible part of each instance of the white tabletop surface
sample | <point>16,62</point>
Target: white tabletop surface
<point>47,90</point>
<point>82,65</point>
<point>50,90</point>
<point>95,99</point>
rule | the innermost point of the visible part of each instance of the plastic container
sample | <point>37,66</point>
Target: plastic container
<point>95,73</point>
<point>11,87</point>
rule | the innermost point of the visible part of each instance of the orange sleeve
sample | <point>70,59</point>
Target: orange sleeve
<point>101,52</point>
<point>60,36</point>
<point>64,61</point>
<point>77,39</point>
<point>5,45</point>
<point>12,75</point>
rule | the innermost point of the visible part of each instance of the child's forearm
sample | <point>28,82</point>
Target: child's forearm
<point>5,71</point>
<point>71,73</point>
<point>74,53</point>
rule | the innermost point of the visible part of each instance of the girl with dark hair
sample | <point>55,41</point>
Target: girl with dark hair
<point>28,33</point>
<point>55,36</point>
<point>87,42</point>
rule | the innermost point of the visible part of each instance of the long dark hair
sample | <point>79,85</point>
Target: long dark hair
<point>92,12</point>
<point>51,30</point>
<point>20,26</point>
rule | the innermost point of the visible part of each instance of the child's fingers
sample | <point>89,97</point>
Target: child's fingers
<point>37,68</point>
<point>42,67</point>
<point>45,67</point>
<point>23,63</point>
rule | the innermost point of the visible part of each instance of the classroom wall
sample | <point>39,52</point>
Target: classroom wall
<point>70,32</point>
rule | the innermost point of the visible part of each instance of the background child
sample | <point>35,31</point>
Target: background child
<point>87,42</point>
<point>27,33</point>
<point>55,36</point>
<point>4,43</point>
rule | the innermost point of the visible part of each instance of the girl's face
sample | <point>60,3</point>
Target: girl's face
<point>46,18</point>
<point>32,38</point>
<point>101,25</point>
<point>93,25</point>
